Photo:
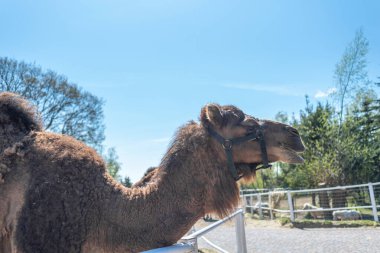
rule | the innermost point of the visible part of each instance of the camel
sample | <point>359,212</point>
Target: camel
<point>148,177</point>
<point>56,194</point>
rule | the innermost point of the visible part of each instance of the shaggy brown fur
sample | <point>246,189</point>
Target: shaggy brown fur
<point>56,195</point>
<point>18,119</point>
<point>148,177</point>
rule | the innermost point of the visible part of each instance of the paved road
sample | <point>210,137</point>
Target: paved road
<point>283,240</point>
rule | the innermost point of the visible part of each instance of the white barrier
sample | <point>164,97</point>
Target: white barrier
<point>368,192</point>
<point>188,244</point>
<point>177,248</point>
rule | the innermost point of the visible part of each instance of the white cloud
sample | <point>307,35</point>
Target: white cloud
<point>322,94</point>
<point>283,90</point>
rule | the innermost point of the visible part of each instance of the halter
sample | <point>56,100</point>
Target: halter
<point>227,145</point>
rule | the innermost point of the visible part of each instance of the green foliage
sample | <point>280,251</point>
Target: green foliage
<point>360,146</point>
<point>335,224</point>
<point>333,157</point>
<point>112,163</point>
<point>284,220</point>
<point>114,167</point>
<point>317,128</point>
<point>126,182</point>
<point>282,117</point>
<point>343,146</point>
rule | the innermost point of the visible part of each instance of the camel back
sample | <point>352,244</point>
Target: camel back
<point>17,119</point>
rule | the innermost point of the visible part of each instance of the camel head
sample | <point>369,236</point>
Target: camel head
<point>253,142</point>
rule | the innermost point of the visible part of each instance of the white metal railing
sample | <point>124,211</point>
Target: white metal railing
<point>188,244</point>
<point>248,200</point>
<point>177,248</point>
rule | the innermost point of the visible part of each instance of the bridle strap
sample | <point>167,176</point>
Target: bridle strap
<point>234,141</point>
<point>231,164</point>
<point>264,156</point>
<point>228,143</point>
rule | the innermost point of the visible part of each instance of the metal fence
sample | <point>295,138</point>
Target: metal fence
<point>321,203</point>
<point>189,243</point>
<point>338,203</point>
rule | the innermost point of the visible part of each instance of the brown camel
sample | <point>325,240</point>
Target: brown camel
<point>56,196</point>
<point>148,177</point>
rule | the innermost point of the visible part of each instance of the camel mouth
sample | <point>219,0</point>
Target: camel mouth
<point>292,156</point>
<point>294,145</point>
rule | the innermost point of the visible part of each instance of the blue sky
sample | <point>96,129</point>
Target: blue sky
<point>156,63</point>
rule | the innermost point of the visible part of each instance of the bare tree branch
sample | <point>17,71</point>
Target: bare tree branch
<point>64,107</point>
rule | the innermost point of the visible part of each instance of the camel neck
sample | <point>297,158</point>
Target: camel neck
<point>153,216</point>
<point>160,213</point>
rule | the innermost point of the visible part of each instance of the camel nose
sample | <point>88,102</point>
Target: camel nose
<point>292,130</point>
<point>296,142</point>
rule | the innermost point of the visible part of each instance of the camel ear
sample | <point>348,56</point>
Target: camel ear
<point>211,115</point>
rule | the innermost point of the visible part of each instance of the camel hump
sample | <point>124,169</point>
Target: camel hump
<point>18,118</point>
<point>17,115</point>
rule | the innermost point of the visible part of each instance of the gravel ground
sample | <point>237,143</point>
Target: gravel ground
<point>272,238</point>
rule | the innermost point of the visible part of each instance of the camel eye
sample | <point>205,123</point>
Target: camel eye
<point>250,130</point>
<point>248,123</point>
<point>292,130</point>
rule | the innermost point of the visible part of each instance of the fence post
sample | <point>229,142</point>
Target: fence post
<point>251,204</point>
<point>240,233</point>
<point>291,210</point>
<point>270,197</point>
<point>260,204</point>
<point>195,241</point>
<point>373,202</point>
<point>244,202</point>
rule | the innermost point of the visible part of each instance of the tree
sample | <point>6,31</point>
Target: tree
<point>317,128</point>
<point>114,167</point>
<point>282,117</point>
<point>126,182</point>
<point>342,147</point>
<point>113,164</point>
<point>350,72</point>
<point>360,145</point>
<point>378,84</point>
<point>64,107</point>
